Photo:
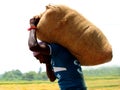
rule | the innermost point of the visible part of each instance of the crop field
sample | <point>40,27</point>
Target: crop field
<point>93,83</point>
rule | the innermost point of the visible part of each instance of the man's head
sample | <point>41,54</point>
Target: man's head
<point>42,58</point>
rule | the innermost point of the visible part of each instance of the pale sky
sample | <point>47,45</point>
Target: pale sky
<point>14,21</point>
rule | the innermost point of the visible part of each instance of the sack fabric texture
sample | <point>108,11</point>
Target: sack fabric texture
<point>67,27</point>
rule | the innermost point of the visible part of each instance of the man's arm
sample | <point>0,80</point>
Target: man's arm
<point>47,60</point>
<point>50,73</point>
<point>43,48</point>
<point>32,41</point>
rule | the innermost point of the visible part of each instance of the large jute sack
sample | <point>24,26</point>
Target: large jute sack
<point>65,26</point>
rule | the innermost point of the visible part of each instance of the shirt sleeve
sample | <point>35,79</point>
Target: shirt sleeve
<point>50,49</point>
<point>54,49</point>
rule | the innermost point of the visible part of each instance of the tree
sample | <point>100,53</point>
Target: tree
<point>44,76</point>
<point>30,76</point>
<point>12,75</point>
<point>40,70</point>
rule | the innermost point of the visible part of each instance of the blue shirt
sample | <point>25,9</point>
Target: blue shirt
<point>66,67</point>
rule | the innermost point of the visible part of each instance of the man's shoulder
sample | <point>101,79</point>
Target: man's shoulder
<point>54,48</point>
<point>54,45</point>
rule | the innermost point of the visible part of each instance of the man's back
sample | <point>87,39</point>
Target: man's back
<point>66,67</point>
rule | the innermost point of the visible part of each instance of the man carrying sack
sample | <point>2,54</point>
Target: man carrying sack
<point>60,63</point>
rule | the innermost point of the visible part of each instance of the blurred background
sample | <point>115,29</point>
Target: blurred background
<point>14,22</point>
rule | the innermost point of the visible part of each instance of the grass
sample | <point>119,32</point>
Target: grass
<point>103,83</point>
<point>23,82</point>
<point>93,83</point>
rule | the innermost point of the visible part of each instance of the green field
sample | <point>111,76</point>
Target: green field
<point>93,83</point>
<point>103,83</point>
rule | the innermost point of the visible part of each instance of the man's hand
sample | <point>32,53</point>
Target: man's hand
<point>34,21</point>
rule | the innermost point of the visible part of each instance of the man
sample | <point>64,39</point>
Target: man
<point>60,63</point>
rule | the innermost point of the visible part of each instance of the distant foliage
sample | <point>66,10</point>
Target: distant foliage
<point>12,75</point>
<point>29,76</point>
<point>16,75</point>
<point>103,71</point>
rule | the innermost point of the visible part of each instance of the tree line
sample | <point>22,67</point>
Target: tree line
<point>15,75</point>
<point>103,71</point>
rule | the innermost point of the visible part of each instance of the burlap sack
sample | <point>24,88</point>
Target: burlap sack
<point>65,26</point>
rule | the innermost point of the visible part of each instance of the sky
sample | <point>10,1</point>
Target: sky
<point>14,21</point>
